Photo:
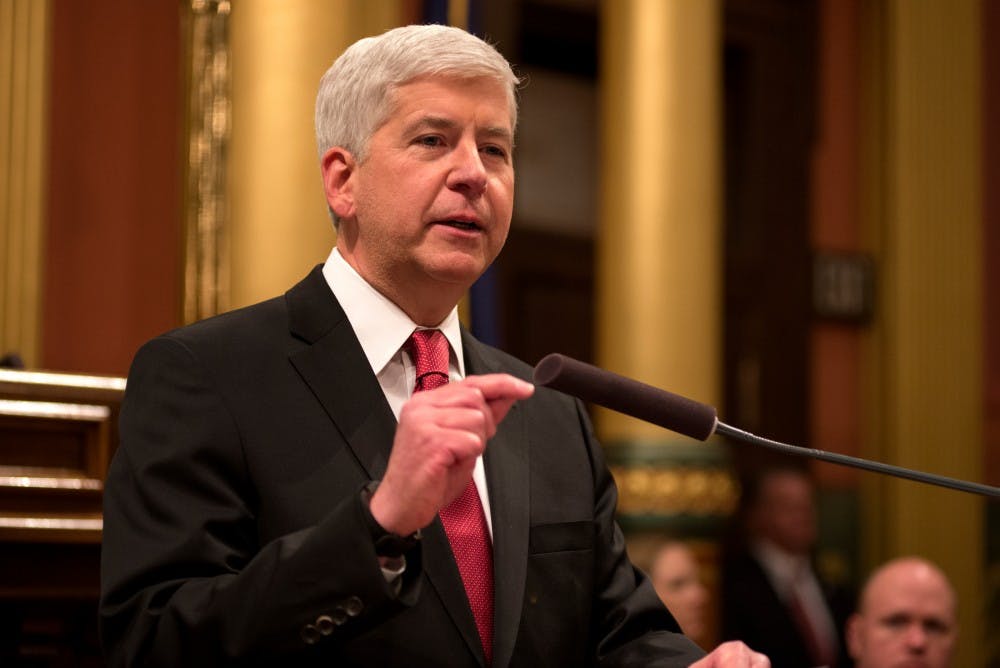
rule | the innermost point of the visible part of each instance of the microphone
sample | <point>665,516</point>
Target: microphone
<point>699,421</point>
<point>605,388</point>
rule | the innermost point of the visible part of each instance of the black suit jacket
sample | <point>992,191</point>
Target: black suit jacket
<point>233,522</point>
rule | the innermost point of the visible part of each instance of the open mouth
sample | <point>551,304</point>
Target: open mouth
<point>460,225</point>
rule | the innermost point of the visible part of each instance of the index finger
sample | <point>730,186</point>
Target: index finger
<point>495,386</point>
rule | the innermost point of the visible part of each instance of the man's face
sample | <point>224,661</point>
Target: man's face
<point>434,197</point>
<point>907,621</point>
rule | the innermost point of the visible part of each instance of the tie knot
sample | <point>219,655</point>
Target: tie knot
<point>429,350</point>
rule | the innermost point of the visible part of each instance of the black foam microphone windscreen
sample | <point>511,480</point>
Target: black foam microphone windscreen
<point>608,389</point>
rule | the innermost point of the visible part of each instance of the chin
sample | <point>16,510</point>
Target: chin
<point>461,270</point>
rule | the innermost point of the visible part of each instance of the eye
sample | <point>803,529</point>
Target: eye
<point>429,140</point>
<point>897,622</point>
<point>936,627</point>
<point>495,151</point>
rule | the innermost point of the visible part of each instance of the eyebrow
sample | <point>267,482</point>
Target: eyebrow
<point>444,123</point>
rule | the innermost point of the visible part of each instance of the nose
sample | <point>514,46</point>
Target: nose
<point>467,172</point>
<point>916,637</point>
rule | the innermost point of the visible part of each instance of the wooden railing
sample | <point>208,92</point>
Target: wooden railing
<point>57,435</point>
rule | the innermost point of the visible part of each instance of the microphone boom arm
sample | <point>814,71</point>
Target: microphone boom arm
<point>856,462</point>
<point>698,420</point>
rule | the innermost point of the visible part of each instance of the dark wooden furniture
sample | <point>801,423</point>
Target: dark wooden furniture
<point>57,435</point>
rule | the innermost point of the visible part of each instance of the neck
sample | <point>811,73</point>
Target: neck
<point>425,300</point>
<point>425,307</point>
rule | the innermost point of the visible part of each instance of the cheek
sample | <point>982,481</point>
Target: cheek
<point>501,193</point>
<point>502,211</point>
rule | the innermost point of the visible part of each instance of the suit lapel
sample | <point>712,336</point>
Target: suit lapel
<point>337,371</point>
<point>506,462</point>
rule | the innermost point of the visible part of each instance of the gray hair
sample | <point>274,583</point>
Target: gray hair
<point>356,94</point>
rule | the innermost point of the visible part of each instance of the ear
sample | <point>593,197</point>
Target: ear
<point>339,169</point>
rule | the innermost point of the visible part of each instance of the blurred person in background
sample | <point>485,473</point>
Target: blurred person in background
<point>771,596</point>
<point>677,579</point>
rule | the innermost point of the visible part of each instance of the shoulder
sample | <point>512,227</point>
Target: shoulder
<point>305,312</point>
<point>240,330</point>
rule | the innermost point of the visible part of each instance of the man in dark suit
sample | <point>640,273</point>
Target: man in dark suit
<point>794,617</point>
<point>280,498</point>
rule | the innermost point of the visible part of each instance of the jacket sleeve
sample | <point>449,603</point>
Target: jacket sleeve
<point>634,627</point>
<point>184,579</point>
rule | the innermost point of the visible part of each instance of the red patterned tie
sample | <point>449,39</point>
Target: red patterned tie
<point>463,518</point>
<point>819,650</point>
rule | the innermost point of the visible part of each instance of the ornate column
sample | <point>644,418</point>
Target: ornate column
<point>206,240</point>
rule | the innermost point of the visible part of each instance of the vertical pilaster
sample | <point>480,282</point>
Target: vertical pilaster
<point>24,41</point>
<point>924,219</point>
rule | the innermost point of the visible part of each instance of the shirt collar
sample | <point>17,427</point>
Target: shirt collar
<point>781,567</point>
<point>381,327</point>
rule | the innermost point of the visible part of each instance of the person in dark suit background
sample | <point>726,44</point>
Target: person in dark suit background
<point>287,471</point>
<point>771,596</point>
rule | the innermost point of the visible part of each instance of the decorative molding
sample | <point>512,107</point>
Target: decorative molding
<point>37,478</point>
<point>51,523</point>
<point>33,529</point>
<point>685,487</point>
<point>114,383</point>
<point>206,253</point>
<point>54,410</point>
<point>649,490</point>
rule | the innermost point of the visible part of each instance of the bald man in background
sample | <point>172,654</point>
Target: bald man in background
<point>906,617</point>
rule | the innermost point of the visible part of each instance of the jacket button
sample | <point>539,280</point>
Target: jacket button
<point>353,606</point>
<point>338,616</point>
<point>325,625</point>
<point>310,634</point>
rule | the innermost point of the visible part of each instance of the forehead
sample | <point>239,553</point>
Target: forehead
<point>674,561</point>
<point>919,594</point>
<point>783,487</point>
<point>438,94</point>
